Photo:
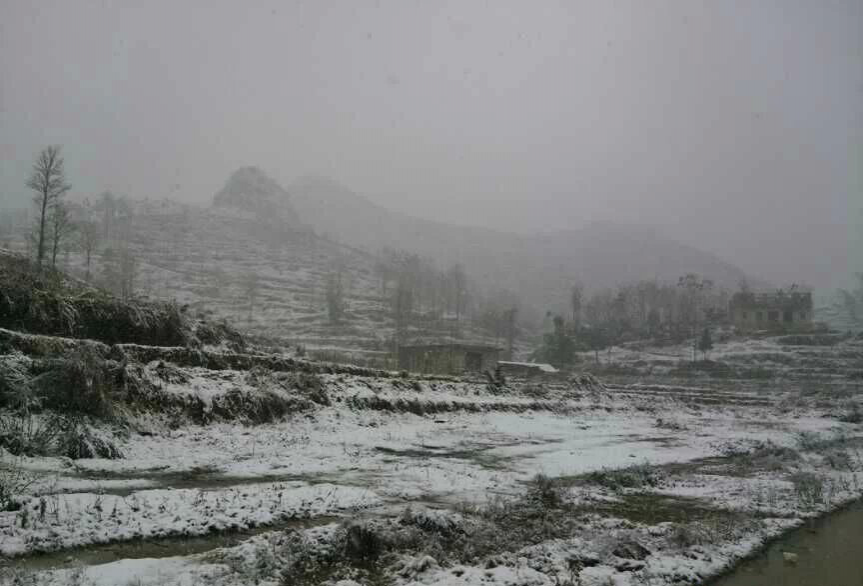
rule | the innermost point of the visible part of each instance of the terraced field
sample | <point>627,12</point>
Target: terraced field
<point>374,478</point>
<point>264,280</point>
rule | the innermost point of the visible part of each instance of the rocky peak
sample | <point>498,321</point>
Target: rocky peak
<point>249,189</point>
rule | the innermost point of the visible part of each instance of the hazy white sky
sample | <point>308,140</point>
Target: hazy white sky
<point>735,126</point>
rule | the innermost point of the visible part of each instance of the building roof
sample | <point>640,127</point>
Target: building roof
<point>538,365</point>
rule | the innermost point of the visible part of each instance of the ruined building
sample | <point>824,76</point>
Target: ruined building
<point>780,310</point>
<point>448,358</point>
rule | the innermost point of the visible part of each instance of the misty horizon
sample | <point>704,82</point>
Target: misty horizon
<point>733,128</point>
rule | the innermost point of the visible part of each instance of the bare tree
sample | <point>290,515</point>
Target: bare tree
<point>89,236</point>
<point>575,296</point>
<point>119,270</point>
<point>335,296</point>
<point>458,281</point>
<point>48,180</point>
<point>510,316</point>
<point>61,227</point>
<point>705,344</point>
<point>108,203</point>
<point>110,273</point>
<point>403,301</point>
<point>385,272</point>
<point>251,284</point>
<point>128,273</point>
<point>694,287</point>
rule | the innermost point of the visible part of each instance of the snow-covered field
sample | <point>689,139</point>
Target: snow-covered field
<point>650,483</point>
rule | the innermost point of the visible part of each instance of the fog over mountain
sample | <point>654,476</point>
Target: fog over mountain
<point>735,128</point>
<point>541,267</point>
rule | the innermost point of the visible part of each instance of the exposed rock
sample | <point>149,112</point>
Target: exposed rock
<point>249,189</point>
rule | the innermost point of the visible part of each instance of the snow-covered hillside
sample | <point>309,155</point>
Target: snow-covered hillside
<point>267,279</point>
<point>249,258</point>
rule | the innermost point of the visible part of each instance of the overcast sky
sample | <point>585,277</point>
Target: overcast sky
<point>734,126</point>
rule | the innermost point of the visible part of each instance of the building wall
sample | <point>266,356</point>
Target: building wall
<point>427,360</point>
<point>489,360</point>
<point>446,359</point>
<point>766,317</point>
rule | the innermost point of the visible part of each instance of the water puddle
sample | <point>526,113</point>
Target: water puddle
<point>478,455</point>
<point>824,552</point>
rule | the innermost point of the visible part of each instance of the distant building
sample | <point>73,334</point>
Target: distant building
<point>448,358</point>
<point>526,369</point>
<point>756,311</point>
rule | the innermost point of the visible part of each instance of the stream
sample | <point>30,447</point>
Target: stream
<point>829,552</point>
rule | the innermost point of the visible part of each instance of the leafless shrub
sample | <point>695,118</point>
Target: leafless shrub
<point>22,430</point>
<point>23,433</point>
<point>811,441</point>
<point>760,455</point>
<point>545,491</point>
<point>309,385</point>
<point>721,527</point>
<point>267,561</point>
<point>78,440</point>
<point>853,413</point>
<point>18,577</point>
<point>686,535</point>
<point>809,488</point>
<point>41,415</point>
<point>508,524</point>
<point>839,459</point>
<point>215,333</point>
<point>82,382</point>
<point>632,477</point>
<point>535,391</point>
<point>15,389</point>
<point>15,481</point>
<point>48,302</point>
<point>363,550</point>
<point>171,373</point>
<point>362,542</point>
<point>352,552</point>
<point>442,523</point>
<point>669,424</point>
